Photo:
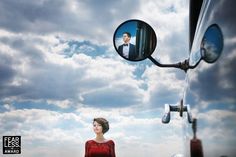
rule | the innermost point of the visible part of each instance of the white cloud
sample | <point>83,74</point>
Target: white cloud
<point>215,116</point>
<point>8,107</point>
<point>63,104</point>
<point>78,75</point>
<point>161,87</point>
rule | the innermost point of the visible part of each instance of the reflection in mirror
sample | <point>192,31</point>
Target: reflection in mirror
<point>134,40</point>
<point>212,44</point>
<point>210,48</point>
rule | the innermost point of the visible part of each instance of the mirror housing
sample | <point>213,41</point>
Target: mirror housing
<point>212,44</point>
<point>134,40</point>
<point>211,47</point>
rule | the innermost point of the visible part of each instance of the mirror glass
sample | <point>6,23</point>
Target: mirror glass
<point>134,40</point>
<point>212,44</point>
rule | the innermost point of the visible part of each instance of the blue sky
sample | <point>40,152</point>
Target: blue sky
<point>129,26</point>
<point>59,70</point>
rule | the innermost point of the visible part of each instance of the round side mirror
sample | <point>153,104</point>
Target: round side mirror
<point>212,44</point>
<point>134,40</point>
<point>211,47</point>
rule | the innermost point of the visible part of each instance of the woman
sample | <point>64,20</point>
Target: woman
<point>100,147</point>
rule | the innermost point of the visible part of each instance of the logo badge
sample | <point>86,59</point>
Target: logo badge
<point>11,144</point>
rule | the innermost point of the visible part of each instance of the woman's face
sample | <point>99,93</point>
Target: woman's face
<point>97,128</point>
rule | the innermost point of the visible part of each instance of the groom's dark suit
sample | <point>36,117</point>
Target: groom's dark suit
<point>132,52</point>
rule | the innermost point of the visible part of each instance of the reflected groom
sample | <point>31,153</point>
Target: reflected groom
<point>127,49</point>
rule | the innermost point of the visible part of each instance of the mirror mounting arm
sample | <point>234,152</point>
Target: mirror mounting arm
<point>181,65</point>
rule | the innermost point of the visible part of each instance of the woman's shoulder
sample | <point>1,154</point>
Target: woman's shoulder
<point>89,142</point>
<point>111,142</point>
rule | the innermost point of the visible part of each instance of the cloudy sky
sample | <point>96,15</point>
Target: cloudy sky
<point>59,70</point>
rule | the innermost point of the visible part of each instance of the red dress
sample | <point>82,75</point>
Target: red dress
<point>95,149</point>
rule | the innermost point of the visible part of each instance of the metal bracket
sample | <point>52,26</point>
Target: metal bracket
<point>184,65</point>
<point>180,108</point>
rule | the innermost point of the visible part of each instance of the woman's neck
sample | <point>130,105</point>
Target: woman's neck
<point>100,137</point>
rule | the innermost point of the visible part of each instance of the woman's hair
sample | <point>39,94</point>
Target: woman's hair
<point>103,122</point>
